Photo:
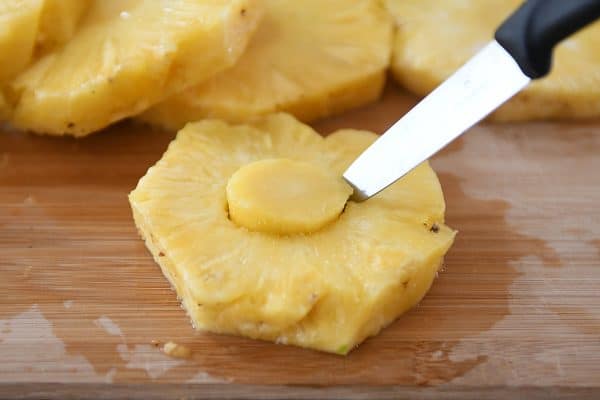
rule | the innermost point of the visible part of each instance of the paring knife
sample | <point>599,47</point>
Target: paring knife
<point>521,51</point>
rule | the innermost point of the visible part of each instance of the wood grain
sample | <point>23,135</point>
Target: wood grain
<point>515,311</point>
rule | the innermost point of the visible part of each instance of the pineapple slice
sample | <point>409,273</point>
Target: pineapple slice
<point>312,58</point>
<point>312,274</point>
<point>436,37</point>
<point>59,21</point>
<point>19,21</point>
<point>126,56</point>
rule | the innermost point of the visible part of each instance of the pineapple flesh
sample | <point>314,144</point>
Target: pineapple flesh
<point>126,56</point>
<point>59,22</point>
<point>19,21</point>
<point>29,28</point>
<point>311,58</point>
<point>435,37</point>
<point>244,261</point>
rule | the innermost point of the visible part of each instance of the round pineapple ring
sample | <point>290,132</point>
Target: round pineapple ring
<point>284,196</point>
<point>311,58</point>
<point>434,38</point>
<point>328,289</point>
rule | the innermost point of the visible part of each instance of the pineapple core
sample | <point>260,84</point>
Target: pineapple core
<point>283,196</point>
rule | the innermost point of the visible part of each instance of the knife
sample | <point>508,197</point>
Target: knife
<point>521,52</point>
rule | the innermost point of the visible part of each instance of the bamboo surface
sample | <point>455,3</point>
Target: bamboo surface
<point>515,311</point>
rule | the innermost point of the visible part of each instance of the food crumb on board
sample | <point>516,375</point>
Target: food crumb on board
<point>4,160</point>
<point>27,271</point>
<point>176,350</point>
<point>29,201</point>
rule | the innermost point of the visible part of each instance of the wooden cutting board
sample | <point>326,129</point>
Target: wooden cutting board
<point>516,309</point>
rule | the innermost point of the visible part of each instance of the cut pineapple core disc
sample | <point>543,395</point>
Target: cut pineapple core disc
<point>285,196</point>
<point>434,38</point>
<point>328,288</point>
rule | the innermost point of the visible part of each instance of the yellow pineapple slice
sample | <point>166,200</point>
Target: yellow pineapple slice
<point>312,58</point>
<point>59,21</point>
<point>19,21</point>
<point>126,56</point>
<point>327,281</point>
<point>435,37</point>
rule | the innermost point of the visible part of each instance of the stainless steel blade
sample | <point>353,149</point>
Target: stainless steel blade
<point>480,86</point>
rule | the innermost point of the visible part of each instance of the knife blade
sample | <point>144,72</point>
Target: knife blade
<point>522,51</point>
<point>460,102</point>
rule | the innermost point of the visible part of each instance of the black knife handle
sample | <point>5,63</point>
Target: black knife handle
<point>531,33</point>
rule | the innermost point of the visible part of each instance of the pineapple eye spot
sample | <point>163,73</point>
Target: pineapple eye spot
<point>282,196</point>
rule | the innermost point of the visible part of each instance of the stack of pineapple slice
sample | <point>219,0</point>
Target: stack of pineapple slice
<point>84,64</point>
<point>75,66</point>
<point>312,58</point>
<point>248,224</point>
<point>435,37</point>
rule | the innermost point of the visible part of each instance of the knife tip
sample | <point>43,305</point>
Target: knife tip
<point>357,196</point>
